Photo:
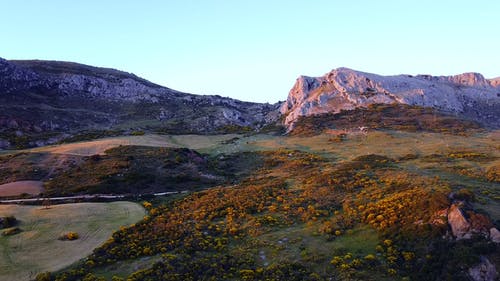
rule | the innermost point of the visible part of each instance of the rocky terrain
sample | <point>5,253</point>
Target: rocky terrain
<point>46,101</point>
<point>468,95</point>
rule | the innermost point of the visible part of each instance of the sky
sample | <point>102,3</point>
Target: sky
<point>254,50</point>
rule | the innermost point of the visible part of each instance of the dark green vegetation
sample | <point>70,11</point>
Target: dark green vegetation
<point>127,170</point>
<point>308,216</point>
<point>9,221</point>
<point>386,116</point>
<point>139,170</point>
<point>34,166</point>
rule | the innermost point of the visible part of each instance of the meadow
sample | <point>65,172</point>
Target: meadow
<point>37,247</point>
<point>99,146</point>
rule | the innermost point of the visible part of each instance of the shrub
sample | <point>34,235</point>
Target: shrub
<point>69,236</point>
<point>137,133</point>
<point>464,194</point>
<point>6,222</point>
<point>44,276</point>
<point>11,231</point>
<point>339,138</point>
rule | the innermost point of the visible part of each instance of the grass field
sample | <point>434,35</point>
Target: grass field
<point>37,249</point>
<point>20,187</point>
<point>390,143</point>
<point>87,148</point>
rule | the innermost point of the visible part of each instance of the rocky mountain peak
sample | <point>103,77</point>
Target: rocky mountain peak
<point>472,79</point>
<point>343,89</point>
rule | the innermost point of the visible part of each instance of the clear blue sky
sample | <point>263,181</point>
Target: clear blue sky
<point>254,50</point>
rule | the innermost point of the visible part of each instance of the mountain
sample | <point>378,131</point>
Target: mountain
<point>47,101</point>
<point>468,95</point>
<point>44,102</point>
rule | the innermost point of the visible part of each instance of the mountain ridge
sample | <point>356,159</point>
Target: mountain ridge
<point>44,102</point>
<point>469,94</point>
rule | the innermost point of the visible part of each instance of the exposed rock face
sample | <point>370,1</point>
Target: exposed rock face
<point>50,97</point>
<point>466,223</point>
<point>469,94</point>
<point>485,271</point>
<point>460,227</point>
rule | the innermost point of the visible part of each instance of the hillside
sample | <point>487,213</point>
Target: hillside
<point>378,116</point>
<point>385,205</point>
<point>43,102</point>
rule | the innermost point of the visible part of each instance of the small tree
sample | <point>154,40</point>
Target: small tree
<point>69,236</point>
<point>46,203</point>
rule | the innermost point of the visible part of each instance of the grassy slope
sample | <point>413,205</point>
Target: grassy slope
<point>37,249</point>
<point>48,162</point>
<point>423,154</point>
<point>429,156</point>
<point>87,148</point>
<point>423,146</point>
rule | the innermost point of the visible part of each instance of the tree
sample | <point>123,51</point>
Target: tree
<point>46,203</point>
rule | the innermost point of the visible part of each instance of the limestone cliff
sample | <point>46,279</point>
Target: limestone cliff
<point>468,94</point>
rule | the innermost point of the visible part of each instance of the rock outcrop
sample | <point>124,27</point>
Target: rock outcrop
<point>468,94</point>
<point>465,223</point>
<point>460,226</point>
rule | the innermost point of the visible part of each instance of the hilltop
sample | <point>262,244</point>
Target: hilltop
<point>44,102</point>
<point>467,95</point>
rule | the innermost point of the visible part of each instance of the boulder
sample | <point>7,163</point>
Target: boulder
<point>460,227</point>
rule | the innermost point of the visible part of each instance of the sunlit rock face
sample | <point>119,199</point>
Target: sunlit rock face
<point>469,94</point>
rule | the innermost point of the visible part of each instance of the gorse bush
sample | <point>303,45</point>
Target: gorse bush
<point>69,236</point>
<point>221,233</point>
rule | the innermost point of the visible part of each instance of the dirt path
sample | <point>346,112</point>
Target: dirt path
<point>83,197</point>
